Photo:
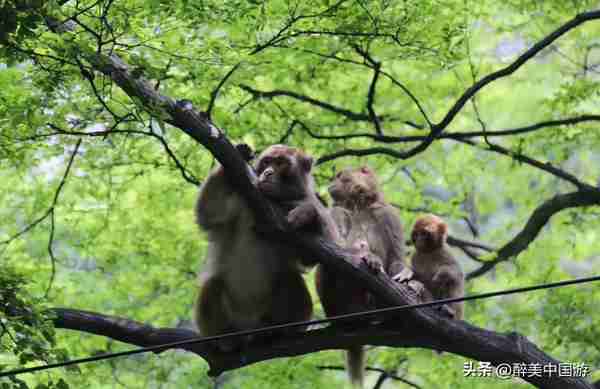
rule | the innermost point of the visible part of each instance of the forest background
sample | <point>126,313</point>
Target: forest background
<point>483,112</point>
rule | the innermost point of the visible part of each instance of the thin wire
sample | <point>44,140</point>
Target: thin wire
<point>332,319</point>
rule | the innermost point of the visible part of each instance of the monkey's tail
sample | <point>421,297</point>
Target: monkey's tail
<point>355,364</point>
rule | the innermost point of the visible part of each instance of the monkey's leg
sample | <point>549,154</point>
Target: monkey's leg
<point>290,303</point>
<point>211,315</point>
<point>303,215</point>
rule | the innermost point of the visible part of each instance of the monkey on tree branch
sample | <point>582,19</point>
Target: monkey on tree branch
<point>424,327</point>
<point>250,282</point>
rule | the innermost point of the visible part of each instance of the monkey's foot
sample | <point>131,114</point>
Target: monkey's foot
<point>416,287</point>
<point>373,263</point>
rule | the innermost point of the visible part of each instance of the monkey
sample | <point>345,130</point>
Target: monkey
<point>360,212</point>
<point>370,228</point>
<point>434,266</point>
<point>249,282</point>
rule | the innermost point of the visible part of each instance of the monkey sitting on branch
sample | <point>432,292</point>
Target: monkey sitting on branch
<point>434,265</point>
<point>248,281</point>
<point>371,229</point>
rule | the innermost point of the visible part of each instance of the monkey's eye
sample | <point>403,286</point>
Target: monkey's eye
<point>280,161</point>
<point>262,165</point>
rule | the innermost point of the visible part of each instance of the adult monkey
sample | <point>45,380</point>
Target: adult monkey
<point>371,228</point>
<point>249,282</point>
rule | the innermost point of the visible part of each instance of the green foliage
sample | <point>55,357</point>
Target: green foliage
<point>26,332</point>
<point>124,238</point>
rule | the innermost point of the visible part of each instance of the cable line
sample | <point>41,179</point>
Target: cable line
<point>332,319</point>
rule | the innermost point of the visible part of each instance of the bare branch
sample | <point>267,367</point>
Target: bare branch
<point>462,135</point>
<point>538,219</point>
<point>377,370</point>
<point>514,66</point>
<point>50,212</point>
<point>355,116</point>
<point>545,166</point>
<point>215,93</point>
<point>281,34</point>
<point>185,173</point>
<point>437,129</point>
<point>458,242</point>
<point>376,66</point>
<point>363,153</point>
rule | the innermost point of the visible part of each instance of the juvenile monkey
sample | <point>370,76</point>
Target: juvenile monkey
<point>249,282</point>
<point>434,266</point>
<point>370,228</point>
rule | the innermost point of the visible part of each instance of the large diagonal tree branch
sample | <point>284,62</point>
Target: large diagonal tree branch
<point>425,326</point>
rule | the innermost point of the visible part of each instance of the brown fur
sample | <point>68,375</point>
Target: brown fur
<point>433,263</point>
<point>250,282</point>
<point>361,215</point>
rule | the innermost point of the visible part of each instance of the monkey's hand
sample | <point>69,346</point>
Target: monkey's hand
<point>404,275</point>
<point>303,215</point>
<point>373,262</point>
<point>246,151</point>
<point>417,287</point>
<point>443,279</point>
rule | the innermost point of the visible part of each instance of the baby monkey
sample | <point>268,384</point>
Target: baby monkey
<point>434,266</point>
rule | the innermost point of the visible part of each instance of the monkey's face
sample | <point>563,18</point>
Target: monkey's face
<point>429,233</point>
<point>284,173</point>
<point>356,186</point>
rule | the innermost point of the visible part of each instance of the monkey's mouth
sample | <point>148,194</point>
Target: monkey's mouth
<point>268,188</point>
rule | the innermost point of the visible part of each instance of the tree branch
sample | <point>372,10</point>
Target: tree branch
<point>497,348</point>
<point>215,93</point>
<point>425,327</point>
<point>351,115</point>
<point>513,67</point>
<point>538,219</point>
<point>462,135</point>
<point>438,129</point>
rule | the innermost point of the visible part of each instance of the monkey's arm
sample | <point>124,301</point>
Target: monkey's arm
<point>217,203</point>
<point>448,277</point>
<point>391,231</point>
<point>342,220</point>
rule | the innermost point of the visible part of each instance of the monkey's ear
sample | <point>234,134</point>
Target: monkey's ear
<point>306,162</point>
<point>365,170</point>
